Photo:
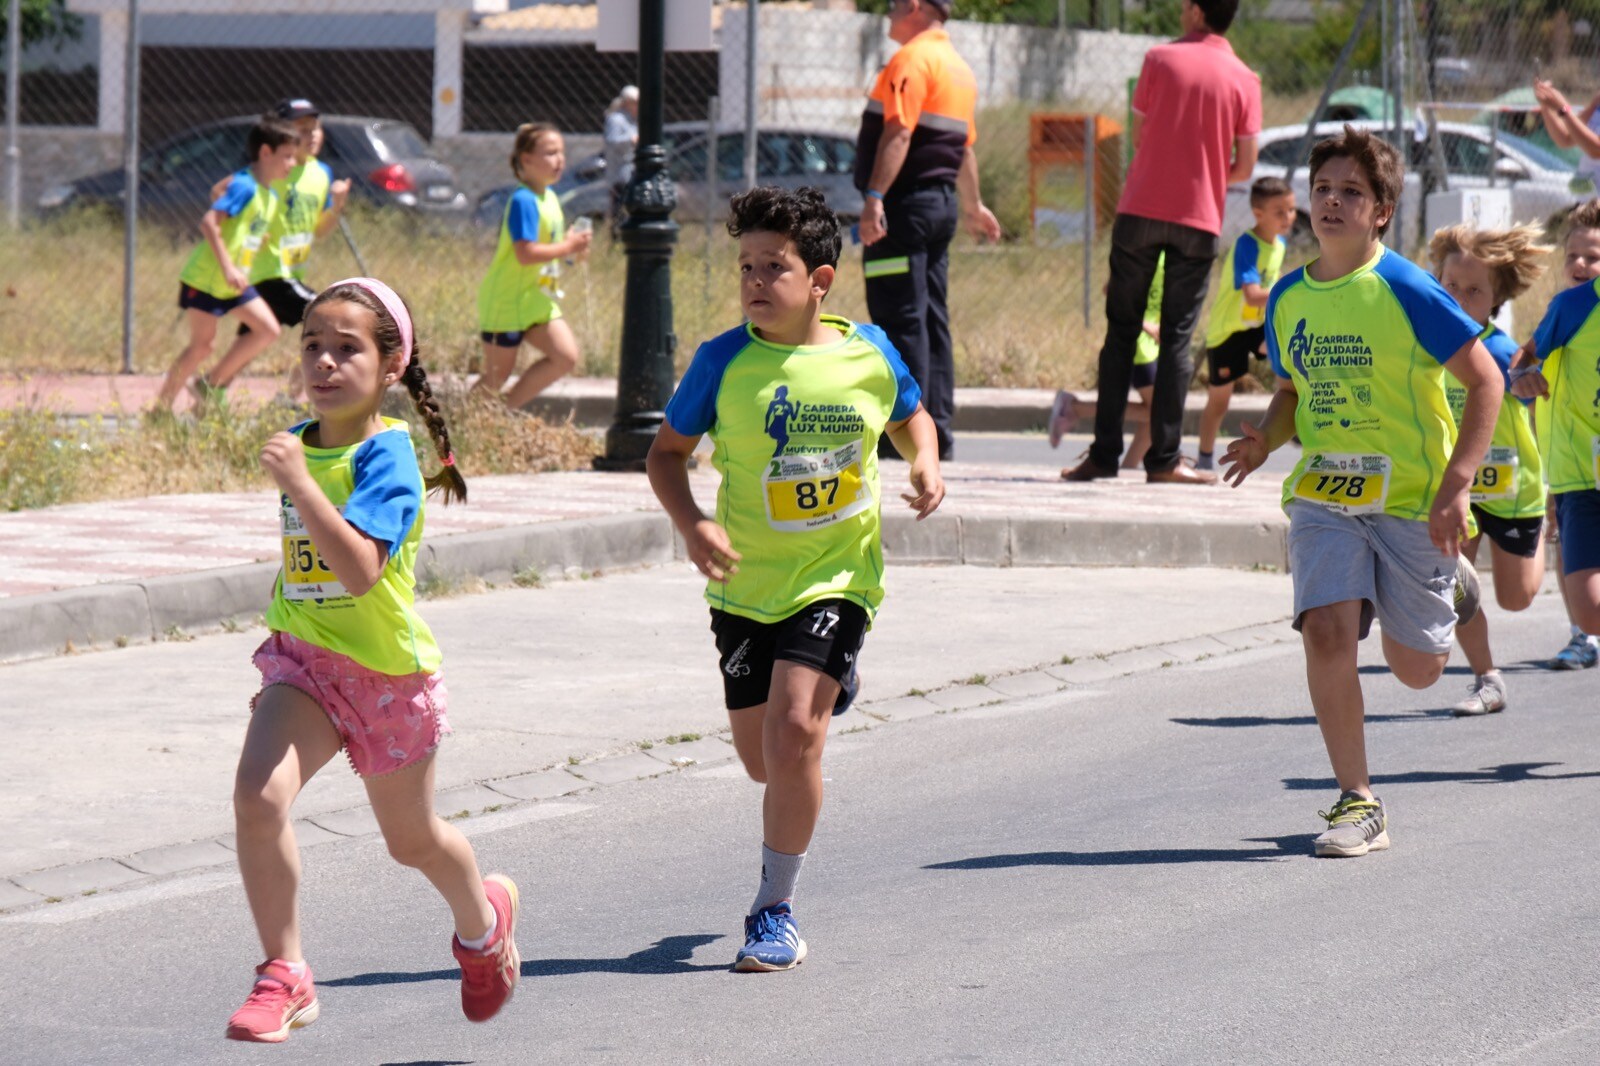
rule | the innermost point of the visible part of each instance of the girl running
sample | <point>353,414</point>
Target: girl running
<point>349,664</point>
<point>517,301</point>
<point>1483,269</point>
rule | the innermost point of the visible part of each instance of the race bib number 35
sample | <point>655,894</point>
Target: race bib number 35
<point>1497,475</point>
<point>809,491</point>
<point>1354,484</point>
<point>305,574</point>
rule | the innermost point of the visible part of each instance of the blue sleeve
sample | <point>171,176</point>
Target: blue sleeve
<point>1246,261</point>
<point>1504,349</point>
<point>328,172</point>
<point>522,219</point>
<point>693,407</point>
<point>1274,356</point>
<point>1437,321</point>
<point>1567,314</point>
<point>908,394</point>
<point>387,497</point>
<point>237,196</point>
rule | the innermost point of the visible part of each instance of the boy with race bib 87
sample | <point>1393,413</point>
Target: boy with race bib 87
<point>795,402</point>
<point>1361,339</point>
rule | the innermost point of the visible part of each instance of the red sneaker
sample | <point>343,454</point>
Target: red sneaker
<point>278,1002</point>
<point>488,977</point>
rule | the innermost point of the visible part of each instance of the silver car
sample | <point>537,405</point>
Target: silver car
<point>1541,183</point>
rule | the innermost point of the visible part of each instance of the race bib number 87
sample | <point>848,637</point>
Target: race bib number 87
<point>809,491</point>
<point>1353,484</point>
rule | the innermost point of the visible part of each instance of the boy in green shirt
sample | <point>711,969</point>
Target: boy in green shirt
<point>1360,339</point>
<point>794,401</point>
<point>216,279</point>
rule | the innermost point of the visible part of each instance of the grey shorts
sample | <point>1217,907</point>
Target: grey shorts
<point>1386,562</point>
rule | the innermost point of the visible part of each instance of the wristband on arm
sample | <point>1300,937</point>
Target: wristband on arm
<point>874,194</point>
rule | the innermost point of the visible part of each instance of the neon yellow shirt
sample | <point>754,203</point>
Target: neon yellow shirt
<point>514,296</point>
<point>1251,261</point>
<point>1366,354</point>
<point>795,431</point>
<point>249,208</point>
<point>1568,342</point>
<point>1147,348</point>
<point>1510,480</point>
<point>377,486</point>
<point>304,195</point>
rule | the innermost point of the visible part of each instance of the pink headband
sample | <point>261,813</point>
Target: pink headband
<point>397,310</point>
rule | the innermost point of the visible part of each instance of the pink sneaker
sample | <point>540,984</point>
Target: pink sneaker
<point>489,977</point>
<point>278,1002</point>
<point>1061,417</point>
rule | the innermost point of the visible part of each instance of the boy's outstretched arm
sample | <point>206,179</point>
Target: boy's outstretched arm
<point>667,466</point>
<point>917,441</point>
<point>1475,368</point>
<point>1259,441</point>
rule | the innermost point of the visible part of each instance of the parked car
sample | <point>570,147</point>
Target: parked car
<point>786,157</point>
<point>1540,181</point>
<point>387,161</point>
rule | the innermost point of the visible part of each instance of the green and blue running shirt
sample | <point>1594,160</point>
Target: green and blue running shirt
<point>248,207</point>
<point>1251,261</point>
<point>378,487</point>
<point>1568,344</point>
<point>303,196</point>
<point>1510,480</point>
<point>1146,349</point>
<point>1366,353</point>
<point>795,433</point>
<point>514,296</point>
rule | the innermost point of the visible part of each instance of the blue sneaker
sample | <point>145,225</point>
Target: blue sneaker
<point>771,941</point>
<point>1580,653</point>
<point>849,689</point>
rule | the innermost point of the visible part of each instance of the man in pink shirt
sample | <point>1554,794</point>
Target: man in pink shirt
<point>1196,115</point>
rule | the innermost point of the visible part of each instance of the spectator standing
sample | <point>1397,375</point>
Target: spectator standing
<point>1196,116</point>
<point>622,140</point>
<point>913,152</point>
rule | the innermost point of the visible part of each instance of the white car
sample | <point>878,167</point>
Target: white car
<point>1540,182</point>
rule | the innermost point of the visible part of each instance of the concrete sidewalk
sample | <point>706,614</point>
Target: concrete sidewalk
<point>117,766</point>
<point>587,401</point>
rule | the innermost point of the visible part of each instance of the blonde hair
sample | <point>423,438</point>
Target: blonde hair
<point>1515,257</point>
<point>527,140</point>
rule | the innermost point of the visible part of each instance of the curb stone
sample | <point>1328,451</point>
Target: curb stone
<point>27,890</point>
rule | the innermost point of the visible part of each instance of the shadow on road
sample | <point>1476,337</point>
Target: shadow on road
<point>667,956</point>
<point>1282,847</point>
<point>1504,774</point>
<point>1238,721</point>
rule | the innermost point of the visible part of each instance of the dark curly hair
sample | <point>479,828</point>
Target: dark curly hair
<point>802,215</point>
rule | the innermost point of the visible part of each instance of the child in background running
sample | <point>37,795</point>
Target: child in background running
<point>517,300</point>
<point>1581,265</point>
<point>1236,329</point>
<point>1483,269</point>
<point>1143,381</point>
<point>1561,368</point>
<point>216,279</point>
<point>349,664</point>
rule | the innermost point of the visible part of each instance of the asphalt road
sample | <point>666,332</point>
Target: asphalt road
<point>1116,875</point>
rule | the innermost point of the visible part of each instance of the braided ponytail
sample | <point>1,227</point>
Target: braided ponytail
<point>448,481</point>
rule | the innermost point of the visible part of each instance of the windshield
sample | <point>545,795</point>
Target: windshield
<point>1541,157</point>
<point>396,140</point>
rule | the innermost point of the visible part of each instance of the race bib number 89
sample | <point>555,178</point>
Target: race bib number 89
<point>1353,484</point>
<point>1497,475</point>
<point>808,491</point>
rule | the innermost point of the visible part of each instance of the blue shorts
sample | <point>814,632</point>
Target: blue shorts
<point>1143,376</point>
<point>192,299</point>
<point>509,339</point>
<point>1578,521</point>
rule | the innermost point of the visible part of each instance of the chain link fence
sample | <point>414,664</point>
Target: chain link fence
<point>419,101</point>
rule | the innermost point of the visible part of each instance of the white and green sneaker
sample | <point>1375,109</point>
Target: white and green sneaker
<point>1488,695</point>
<point>1356,825</point>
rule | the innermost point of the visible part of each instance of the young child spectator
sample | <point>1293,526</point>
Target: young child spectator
<point>1361,339</point>
<point>350,665</point>
<point>216,279</point>
<point>517,300</point>
<point>795,402</point>
<point>1483,269</point>
<point>1236,330</point>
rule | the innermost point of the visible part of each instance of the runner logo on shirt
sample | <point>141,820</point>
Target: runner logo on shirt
<point>787,418</point>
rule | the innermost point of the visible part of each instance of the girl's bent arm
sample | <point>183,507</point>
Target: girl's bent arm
<point>356,559</point>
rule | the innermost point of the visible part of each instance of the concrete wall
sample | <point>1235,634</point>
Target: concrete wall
<point>816,67</point>
<point>52,154</point>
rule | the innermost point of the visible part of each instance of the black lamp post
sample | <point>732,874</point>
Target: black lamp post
<point>644,371</point>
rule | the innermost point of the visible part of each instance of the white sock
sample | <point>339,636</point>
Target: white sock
<point>779,873</point>
<point>479,943</point>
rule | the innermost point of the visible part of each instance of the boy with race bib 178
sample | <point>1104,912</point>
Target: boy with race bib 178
<point>1361,339</point>
<point>795,402</point>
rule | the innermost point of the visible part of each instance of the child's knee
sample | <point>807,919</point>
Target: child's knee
<point>755,767</point>
<point>795,738</point>
<point>1418,670</point>
<point>1515,597</point>
<point>259,799</point>
<point>414,847</point>
<point>1326,631</point>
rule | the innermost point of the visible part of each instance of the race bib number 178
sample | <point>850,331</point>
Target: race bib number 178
<point>1354,484</point>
